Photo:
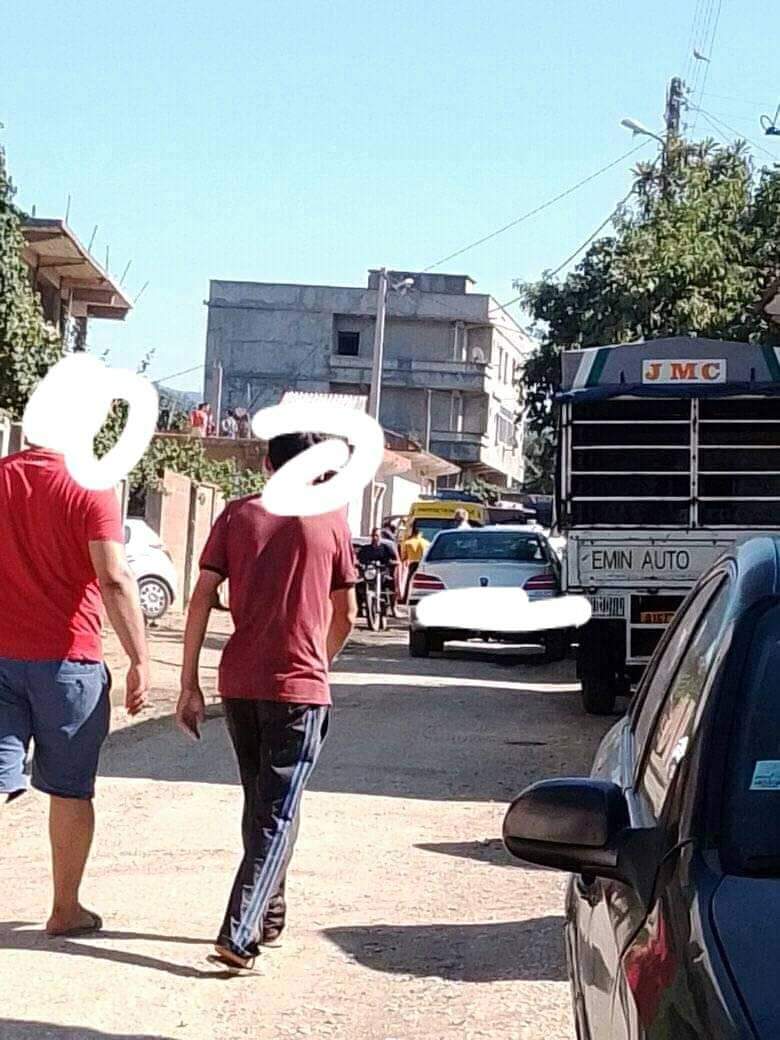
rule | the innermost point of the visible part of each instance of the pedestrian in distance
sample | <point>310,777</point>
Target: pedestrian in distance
<point>199,420</point>
<point>62,549</point>
<point>412,551</point>
<point>292,599</point>
<point>461,519</point>
<point>244,424</point>
<point>229,425</point>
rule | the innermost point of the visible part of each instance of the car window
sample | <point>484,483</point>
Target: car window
<point>751,806</point>
<point>664,663</point>
<point>488,545</point>
<point>431,526</point>
<point>674,728</point>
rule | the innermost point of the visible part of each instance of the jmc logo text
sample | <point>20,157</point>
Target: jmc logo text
<point>710,370</point>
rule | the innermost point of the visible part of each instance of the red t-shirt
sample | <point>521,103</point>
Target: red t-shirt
<point>52,606</point>
<point>282,571</point>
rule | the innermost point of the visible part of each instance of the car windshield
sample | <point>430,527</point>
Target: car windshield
<point>488,545</point>
<point>429,527</point>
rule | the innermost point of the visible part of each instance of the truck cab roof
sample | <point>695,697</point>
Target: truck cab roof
<point>680,366</point>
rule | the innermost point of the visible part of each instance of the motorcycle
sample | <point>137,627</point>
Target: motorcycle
<point>375,593</point>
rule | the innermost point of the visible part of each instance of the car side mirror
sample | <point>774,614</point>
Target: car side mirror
<point>580,825</point>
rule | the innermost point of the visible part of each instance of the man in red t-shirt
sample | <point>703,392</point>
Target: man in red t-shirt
<point>293,604</point>
<point>61,548</point>
<point>199,420</point>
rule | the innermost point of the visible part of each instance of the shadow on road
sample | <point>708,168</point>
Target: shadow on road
<point>509,951</point>
<point>405,729</point>
<point>16,1029</point>
<point>19,935</point>
<point>490,851</point>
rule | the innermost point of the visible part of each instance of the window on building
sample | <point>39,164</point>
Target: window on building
<point>348,344</point>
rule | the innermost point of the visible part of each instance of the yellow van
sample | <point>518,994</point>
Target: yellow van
<point>434,515</point>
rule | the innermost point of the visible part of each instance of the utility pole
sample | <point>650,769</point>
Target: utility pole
<point>218,396</point>
<point>674,102</point>
<point>375,391</point>
<point>375,394</point>
<point>675,98</point>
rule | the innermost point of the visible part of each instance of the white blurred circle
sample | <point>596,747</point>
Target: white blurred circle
<point>290,491</point>
<point>70,404</point>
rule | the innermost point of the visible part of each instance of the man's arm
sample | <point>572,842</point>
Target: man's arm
<point>191,708</point>
<point>119,590</point>
<point>344,614</point>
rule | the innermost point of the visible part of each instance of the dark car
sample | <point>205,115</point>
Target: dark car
<point>673,911</point>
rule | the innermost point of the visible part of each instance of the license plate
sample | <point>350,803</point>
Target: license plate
<point>607,606</point>
<point>656,617</point>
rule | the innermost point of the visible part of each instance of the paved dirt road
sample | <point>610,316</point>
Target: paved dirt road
<point>407,918</point>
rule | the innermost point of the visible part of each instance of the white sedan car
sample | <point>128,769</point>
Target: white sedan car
<point>152,566</point>
<point>504,556</point>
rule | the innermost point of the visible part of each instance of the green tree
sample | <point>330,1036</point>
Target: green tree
<point>28,345</point>
<point>691,254</point>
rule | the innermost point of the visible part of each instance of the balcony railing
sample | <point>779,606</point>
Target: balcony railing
<point>414,373</point>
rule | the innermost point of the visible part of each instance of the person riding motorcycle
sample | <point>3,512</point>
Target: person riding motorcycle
<point>382,554</point>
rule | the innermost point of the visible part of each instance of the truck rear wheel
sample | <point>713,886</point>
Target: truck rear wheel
<point>601,665</point>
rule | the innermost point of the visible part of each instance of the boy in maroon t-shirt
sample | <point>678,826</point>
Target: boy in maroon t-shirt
<point>293,604</point>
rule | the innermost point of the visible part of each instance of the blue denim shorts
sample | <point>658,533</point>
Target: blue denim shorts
<point>64,708</point>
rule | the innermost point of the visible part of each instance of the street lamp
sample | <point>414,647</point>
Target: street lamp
<point>638,128</point>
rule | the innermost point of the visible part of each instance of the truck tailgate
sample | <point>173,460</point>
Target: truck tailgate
<point>625,559</point>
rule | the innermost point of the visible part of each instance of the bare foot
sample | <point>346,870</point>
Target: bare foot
<point>78,923</point>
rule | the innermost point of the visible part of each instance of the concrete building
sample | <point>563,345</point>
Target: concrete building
<point>72,286</point>
<point>450,362</point>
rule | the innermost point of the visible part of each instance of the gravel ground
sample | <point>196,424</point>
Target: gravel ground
<point>407,917</point>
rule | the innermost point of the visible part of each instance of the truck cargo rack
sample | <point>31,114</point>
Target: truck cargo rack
<point>677,463</point>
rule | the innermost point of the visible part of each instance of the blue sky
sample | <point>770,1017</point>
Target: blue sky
<point>308,141</point>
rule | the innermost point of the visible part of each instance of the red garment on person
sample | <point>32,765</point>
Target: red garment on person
<point>282,571</point>
<point>53,610</point>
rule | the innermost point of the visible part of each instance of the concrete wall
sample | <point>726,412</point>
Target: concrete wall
<point>401,492</point>
<point>183,513</point>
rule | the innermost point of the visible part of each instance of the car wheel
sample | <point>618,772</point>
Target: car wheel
<point>436,642</point>
<point>155,597</point>
<point>418,643</point>
<point>556,645</point>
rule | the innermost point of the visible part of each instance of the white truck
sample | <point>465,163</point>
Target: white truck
<point>669,452</point>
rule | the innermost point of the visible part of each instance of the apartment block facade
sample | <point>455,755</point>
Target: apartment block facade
<point>451,359</point>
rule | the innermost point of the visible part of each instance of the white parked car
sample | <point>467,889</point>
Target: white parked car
<point>152,566</point>
<point>503,555</point>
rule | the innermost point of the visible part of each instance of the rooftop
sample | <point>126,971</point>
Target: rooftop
<point>56,256</point>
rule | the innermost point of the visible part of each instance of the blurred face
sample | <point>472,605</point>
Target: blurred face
<point>375,536</point>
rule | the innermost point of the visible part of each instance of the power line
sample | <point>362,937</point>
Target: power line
<point>718,132</point>
<point>732,130</point>
<point>689,69</point>
<point>175,375</point>
<point>708,53</point>
<point>590,238</point>
<point>538,209</point>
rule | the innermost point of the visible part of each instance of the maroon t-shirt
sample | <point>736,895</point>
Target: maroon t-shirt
<point>53,610</point>
<point>282,571</point>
